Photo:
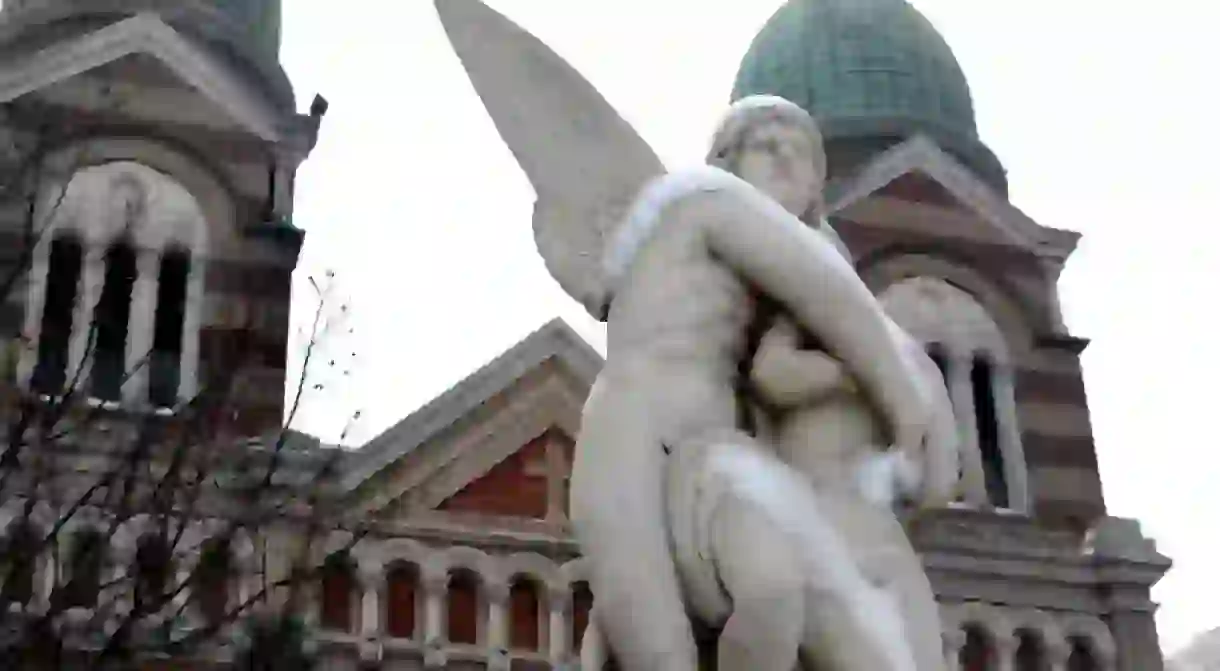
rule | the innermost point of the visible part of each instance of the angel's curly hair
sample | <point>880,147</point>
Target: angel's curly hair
<point>745,114</point>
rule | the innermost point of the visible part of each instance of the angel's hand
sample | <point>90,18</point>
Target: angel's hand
<point>931,445</point>
<point>787,376</point>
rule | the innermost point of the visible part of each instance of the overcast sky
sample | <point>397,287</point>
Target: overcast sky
<point>1103,112</point>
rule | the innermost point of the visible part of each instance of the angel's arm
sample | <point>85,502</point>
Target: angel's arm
<point>787,376</point>
<point>803,271</point>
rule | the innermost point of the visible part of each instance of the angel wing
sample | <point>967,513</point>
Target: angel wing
<point>585,162</point>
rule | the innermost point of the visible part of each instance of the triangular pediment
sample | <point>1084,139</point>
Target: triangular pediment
<point>919,171</point>
<point>528,483</point>
<point>533,390</point>
<point>147,38</point>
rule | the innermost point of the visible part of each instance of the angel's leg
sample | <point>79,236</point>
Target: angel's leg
<point>792,579</point>
<point>618,515</point>
<point>759,571</point>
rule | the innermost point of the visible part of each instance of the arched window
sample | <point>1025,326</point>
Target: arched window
<point>338,584</point>
<point>145,294</point>
<point>19,563</point>
<point>154,569</point>
<point>111,317</point>
<point>1030,655</point>
<point>976,653</point>
<point>582,604</point>
<point>402,582</point>
<point>212,580</point>
<point>463,602</point>
<point>86,555</point>
<point>524,614</point>
<point>165,360</point>
<point>1081,657</point>
<point>977,360</point>
<point>59,303</point>
<point>989,432</point>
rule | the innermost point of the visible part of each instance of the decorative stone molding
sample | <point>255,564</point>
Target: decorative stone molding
<point>534,566</point>
<point>101,205</point>
<point>559,598</point>
<point>145,33</point>
<point>974,533</point>
<point>1013,316</point>
<point>1095,632</point>
<point>1001,625</point>
<point>370,573</point>
<point>934,311</point>
<point>943,316</point>
<point>496,591</point>
<point>922,154</point>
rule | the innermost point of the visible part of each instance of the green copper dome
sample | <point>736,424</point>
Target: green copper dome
<point>873,72</point>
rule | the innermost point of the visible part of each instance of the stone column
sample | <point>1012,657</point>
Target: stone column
<point>436,585</point>
<point>1003,390</point>
<point>119,574</point>
<point>244,565</point>
<point>180,605</point>
<point>192,323</point>
<point>372,579</point>
<point>1006,652</point>
<point>559,598</point>
<point>140,323</point>
<point>953,642</point>
<point>36,289</point>
<point>961,392</point>
<point>44,581</point>
<point>1057,653</point>
<point>497,594</point>
<point>89,290</point>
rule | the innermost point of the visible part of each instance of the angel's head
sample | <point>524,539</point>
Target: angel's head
<point>775,145</point>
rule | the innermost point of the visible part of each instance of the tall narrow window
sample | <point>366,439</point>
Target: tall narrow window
<point>110,323</point>
<point>166,357</point>
<point>1029,655</point>
<point>18,564</point>
<point>211,580</point>
<point>401,581</point>
<point>154,567</point>
<point>976,654</point>
<point>338,583</point>
<point>1081,657</point>
<point>524,615</point>
<point>84,570</point>
<point>989,434</point>
<point>55,331</point>
<point>463,605</point>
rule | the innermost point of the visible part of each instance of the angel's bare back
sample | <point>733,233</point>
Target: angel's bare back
<point>675,332</point>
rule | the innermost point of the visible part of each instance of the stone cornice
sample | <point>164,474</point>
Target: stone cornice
<point>555,341</point>
<point>145,33</point>
<point>923,155</point>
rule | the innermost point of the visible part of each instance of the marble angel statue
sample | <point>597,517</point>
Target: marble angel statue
<point>817,419</point>
<point>678,511</point>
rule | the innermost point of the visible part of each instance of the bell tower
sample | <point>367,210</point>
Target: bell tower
<point>150,153</point>
<point>922,204</point>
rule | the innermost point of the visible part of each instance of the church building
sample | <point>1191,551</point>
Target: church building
<point>166,138</point>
